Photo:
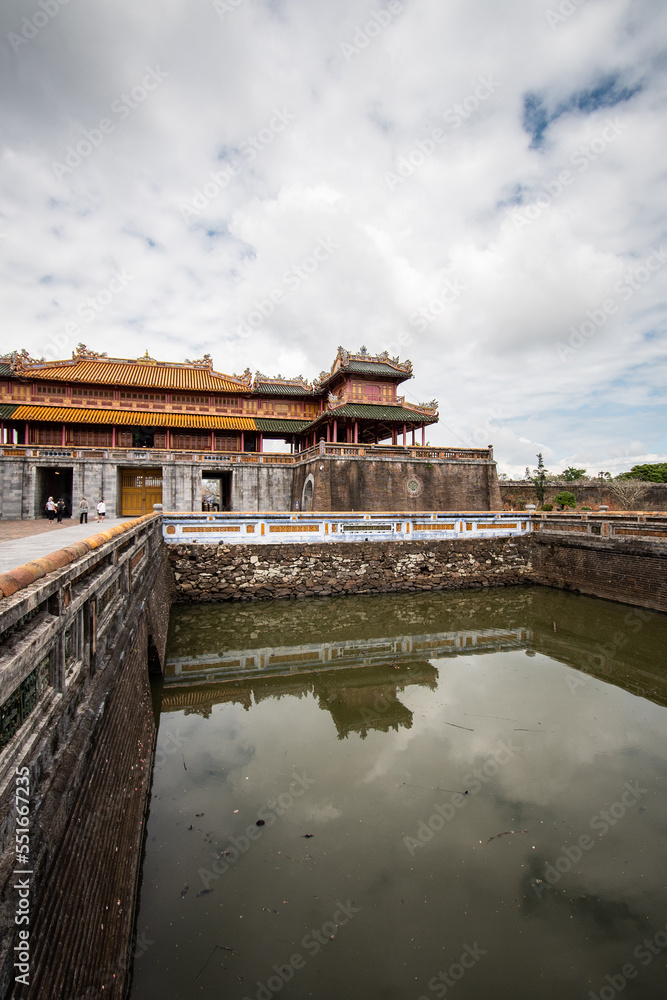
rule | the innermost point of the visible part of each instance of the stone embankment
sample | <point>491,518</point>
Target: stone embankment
<point>206,573</point>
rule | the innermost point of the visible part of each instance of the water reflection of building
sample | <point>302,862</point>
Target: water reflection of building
<point>359,699</point>
<point>281,660</point>
<point>357,681</point>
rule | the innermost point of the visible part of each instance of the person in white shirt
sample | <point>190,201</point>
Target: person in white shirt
<point>101,510</point>
<point>51,509</point>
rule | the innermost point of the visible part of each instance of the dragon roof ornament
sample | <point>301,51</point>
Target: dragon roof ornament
<point>278,380</point>
<point>82,353</point>
<point>205,362</point>
<point>21,361</point>
<point>245,379</point>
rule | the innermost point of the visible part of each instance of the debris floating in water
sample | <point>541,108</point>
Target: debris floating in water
<point>504,834</point>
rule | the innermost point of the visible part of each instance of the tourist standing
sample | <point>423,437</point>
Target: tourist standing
<point>50,510</point>
<point>83,511</point>
<point>60,510</point>
<point>101,510</point>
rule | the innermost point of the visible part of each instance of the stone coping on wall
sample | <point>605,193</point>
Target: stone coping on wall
<point>23,576</point>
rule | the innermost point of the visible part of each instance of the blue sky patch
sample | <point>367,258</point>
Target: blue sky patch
<point>537,116</point>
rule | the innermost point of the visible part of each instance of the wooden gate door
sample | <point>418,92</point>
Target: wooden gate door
<point>141,488</point>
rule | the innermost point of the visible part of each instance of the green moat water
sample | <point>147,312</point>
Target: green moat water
<point>457,794</point>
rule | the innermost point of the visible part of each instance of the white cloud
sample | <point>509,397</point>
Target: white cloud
<point>346,124</point>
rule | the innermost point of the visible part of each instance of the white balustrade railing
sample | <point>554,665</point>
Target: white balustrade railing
<point>263,528</point>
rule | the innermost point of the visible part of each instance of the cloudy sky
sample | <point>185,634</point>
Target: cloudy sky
<point>473,184</point>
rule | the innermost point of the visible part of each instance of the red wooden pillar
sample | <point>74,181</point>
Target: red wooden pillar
<point>212,440</point>
<point>113,437</point>
<point>423,435</point>
<point>167,438</point>
<point>328,433</point>
<point>335,430</point>
<point>405,435</point>
<point>261,443</point>
<point>356,432</point>
<point>394,436</point>
<point>242,441</point>
<point>413,436</point>
<point>27,433</point>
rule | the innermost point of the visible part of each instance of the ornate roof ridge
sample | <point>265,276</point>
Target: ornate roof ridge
<point>23,364</point>
<point>343,358</point>
<point>282,380</point>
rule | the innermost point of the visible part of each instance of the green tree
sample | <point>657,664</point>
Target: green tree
<point>538,479</point>
<point>565,499</point>
<point>570,474</point>
<point>647,473</point>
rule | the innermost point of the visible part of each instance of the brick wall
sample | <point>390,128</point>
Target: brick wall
<point>89,751</point>
<point>382,484</point>
<point>628,570</point>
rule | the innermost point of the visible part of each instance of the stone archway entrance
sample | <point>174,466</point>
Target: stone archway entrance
<point>307,494</point>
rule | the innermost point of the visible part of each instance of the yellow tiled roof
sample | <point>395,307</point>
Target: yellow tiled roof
<point>156,374</point>
<point>141,418</point>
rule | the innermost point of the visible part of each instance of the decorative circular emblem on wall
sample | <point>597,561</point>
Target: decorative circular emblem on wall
<point>414,487</point>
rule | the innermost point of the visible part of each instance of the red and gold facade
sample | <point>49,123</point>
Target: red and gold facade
<point>96,402</point>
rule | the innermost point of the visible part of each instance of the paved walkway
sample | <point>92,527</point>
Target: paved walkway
<point>21,541</point>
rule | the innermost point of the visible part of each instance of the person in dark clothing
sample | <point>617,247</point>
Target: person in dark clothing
<point>60,510</point>
<point>83,511</point>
